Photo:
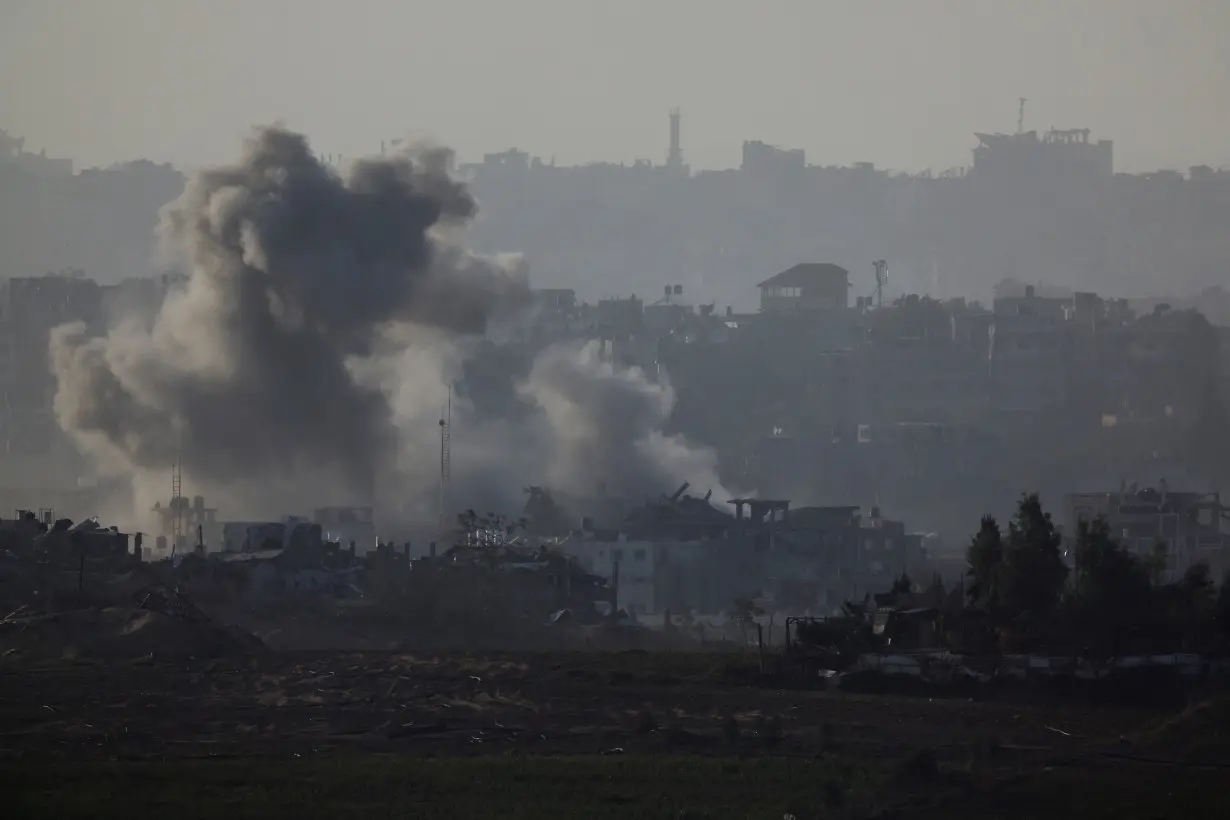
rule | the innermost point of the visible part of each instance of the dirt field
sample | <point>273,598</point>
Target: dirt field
<point>502,733</point>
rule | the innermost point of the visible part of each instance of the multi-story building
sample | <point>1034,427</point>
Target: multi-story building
<point>1052,156</point>
<point>32,307</point>
<point>1029,352</point>
<point>768,160</point>
<point>1223,369</point>
<point>1192,525</point>
<point>36,453</point>
<point>806,286</point>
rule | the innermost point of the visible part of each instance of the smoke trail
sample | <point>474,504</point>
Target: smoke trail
<point>311,351</point>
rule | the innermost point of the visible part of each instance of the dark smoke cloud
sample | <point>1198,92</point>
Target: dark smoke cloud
<point>312,350</point>
<point>293,268</point>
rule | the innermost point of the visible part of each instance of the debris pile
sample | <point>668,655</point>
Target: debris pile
<point>678,517</point>
<point>77,590</point>
<point>118,633</point>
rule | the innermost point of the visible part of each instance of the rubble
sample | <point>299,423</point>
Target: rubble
<point>119,633</point>
<point>72,590</point>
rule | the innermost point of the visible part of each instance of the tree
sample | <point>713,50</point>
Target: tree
<point>1195,589</point>
<point>1223,605</point>
<point>1034,572</point>
<point>1107,575</point>
<point>985,557</point>
<point>902,586</point>
<point>1158,561</point>
<point>1112,589</point>
<point>1186,609</point>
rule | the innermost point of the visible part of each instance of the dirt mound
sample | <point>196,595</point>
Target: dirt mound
<point>120,633</point>
<point>1199,734</point>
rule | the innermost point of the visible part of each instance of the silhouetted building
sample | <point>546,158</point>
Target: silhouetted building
<point>1056,155</point>
<point>807,286</point>
<point>1192,525</point>
<point>762,158</point>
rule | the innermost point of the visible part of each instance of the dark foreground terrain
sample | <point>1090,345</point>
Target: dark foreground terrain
<point>625,735</point>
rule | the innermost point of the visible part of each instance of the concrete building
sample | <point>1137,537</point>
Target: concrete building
<point>806,286</point>
<point>768,160</point>
<point>1193,525</point>
<point>1223,359</point>
<point>1029,353</point>
<point>638,569</point>
<point>1065,155</point>
<point>31,307</point>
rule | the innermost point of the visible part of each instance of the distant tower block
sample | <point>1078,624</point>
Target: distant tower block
<point>674,157</point>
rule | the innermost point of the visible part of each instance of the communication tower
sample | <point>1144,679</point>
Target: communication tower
<point>881,267</point>
<point>674,157</point>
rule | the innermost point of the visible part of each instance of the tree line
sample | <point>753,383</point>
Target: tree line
<point>1027,590</point>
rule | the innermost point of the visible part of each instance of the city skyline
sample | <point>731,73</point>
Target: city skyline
<point>903,86</point>
<point>664,161</point>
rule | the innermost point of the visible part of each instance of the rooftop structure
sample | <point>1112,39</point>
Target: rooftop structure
<point>1054,154</point>
<point>807,286</point>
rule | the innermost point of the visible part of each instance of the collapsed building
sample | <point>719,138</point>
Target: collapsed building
<point>680,553</point>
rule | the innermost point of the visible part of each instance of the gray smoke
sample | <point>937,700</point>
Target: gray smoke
<point>571,422</point>
<point>310,350</point>
<point>612,418</point>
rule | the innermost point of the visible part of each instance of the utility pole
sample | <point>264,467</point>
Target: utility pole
<point>446,423</point>
<point>1020,115</point>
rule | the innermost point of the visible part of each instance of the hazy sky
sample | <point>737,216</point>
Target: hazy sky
<point>902,83</point>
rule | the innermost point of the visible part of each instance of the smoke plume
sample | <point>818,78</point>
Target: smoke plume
<point>311,350</point>
<point>610,417</point>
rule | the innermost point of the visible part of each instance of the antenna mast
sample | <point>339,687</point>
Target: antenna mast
<point>446,424</point>
<point>1020,115</point>
<point>881,267</point>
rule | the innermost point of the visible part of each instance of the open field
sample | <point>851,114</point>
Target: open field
<point>630,734</point>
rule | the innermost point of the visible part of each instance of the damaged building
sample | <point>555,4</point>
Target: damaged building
<point>680,553</point>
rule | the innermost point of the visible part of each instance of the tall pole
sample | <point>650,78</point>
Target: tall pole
<point>446,423</point>
<point>440,498</point>
<point>881,267</point>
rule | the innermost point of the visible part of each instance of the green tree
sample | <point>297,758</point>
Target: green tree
<point>1157,562</point>
<point>903,585</point>
<point>1106,573</point>
<point>1186,609</point>
<point>1034,572</point>
<point>985,556</point>
<point>1223,605</point>
<point>1112,588</point>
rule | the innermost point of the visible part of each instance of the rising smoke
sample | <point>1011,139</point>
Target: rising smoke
<point>307,358</point>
